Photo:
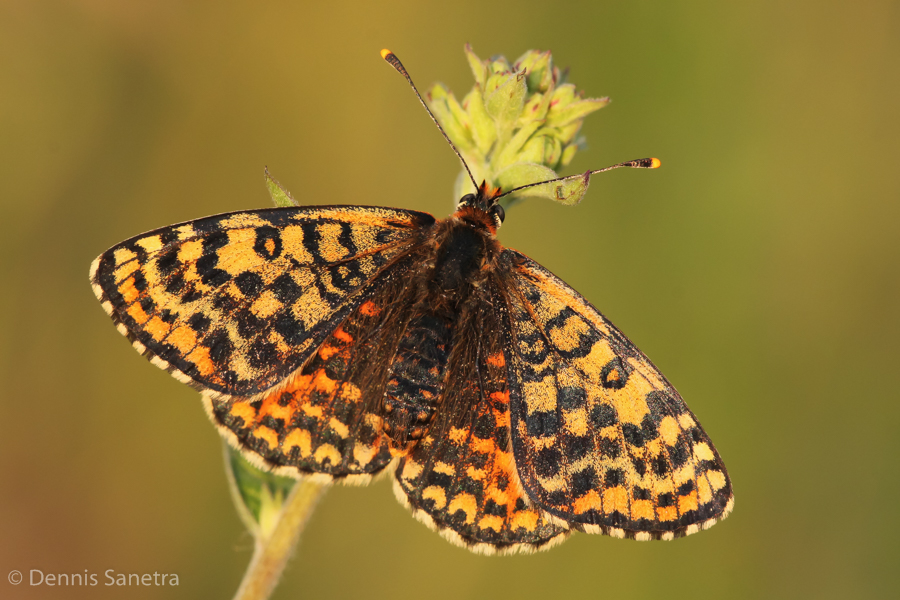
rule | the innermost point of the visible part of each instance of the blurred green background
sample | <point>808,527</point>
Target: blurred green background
<point>758,268</point>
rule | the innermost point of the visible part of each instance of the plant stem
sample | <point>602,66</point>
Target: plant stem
<point>271,554</point>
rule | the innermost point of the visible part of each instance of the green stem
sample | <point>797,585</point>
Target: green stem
<point>271,554</point>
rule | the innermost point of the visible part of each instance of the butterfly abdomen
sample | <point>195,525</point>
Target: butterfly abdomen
<point>416,379</point>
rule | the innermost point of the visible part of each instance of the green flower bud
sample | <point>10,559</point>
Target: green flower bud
<point>452,117</point>
<point>574,111</point>
<point>518,125</point>
<point>512,151</point>
<point>483,130</point>
<point>479,69</point>
<point>504,103</point>
<point>539,69</point>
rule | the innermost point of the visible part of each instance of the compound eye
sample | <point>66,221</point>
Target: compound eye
<point>467,200</point>
<point>499,212</point>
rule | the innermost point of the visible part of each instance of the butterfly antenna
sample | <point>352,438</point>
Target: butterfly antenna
<point>392,59</point>
<point>641,163</point>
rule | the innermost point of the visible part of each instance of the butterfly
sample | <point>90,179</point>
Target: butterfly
<point>339,342</point>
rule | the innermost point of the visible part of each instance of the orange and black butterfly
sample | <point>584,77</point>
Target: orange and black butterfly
<point>341,341</point>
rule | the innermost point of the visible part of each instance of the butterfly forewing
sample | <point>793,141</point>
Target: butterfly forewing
<point>461,478</point>
<point>601,440</point>
<point>237,302</point>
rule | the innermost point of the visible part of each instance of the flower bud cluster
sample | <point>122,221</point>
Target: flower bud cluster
<point>518,125</point>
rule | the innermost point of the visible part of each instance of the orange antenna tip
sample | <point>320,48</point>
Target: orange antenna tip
<point>385,52</point>
<point>654,163</point>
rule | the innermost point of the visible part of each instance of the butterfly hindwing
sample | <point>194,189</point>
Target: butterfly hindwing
<point>326,417</point>
<point>601,440</point>
<point>235,303</point>
<point>461,478</point>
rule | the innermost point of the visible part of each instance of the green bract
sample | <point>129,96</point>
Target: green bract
<point>518,125</point>
<point>258,495</point>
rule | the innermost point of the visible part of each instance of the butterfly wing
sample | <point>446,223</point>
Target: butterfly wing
<point>325,418</point>
<point>601,439</point>
<point>235,303</point>
<point>461,477</point>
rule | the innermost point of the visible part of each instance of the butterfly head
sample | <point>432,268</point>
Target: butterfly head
<point>482,208</point>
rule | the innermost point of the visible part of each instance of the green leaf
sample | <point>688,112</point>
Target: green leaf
<point>568,192</point>
<point>562,96</point>
<point>258,495</point>
<point>280,196</point>
<point>552,152</point>
<point>568,154</point>
<point>505,103</point>
<point>543,148</point>
<point>479,69</point>
<point>523,173</point>
<point>534,150</point>
<point>459,112</point>
<point>439,103</point>
<point>483,130</point>
<point>509,153</point>
<point>535,108</point>
<point>573,111</point>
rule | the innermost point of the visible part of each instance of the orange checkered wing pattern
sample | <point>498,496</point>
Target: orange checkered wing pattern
<point>601,440</point>
<point>234,304</point>
<point>461,477</point>
<point>325,419</point>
